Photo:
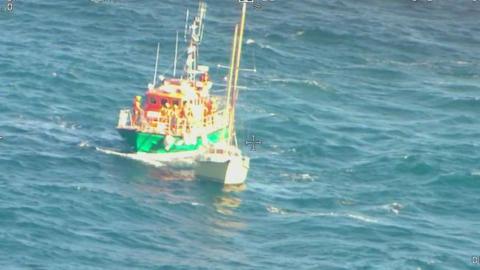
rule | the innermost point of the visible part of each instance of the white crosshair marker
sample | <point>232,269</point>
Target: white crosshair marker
<point>253,143</point>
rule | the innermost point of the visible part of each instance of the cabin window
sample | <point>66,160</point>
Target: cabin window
<point>164,101</point>
<point>153,100</point>
<point>176,102</point>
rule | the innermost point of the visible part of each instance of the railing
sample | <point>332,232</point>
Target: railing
<point>177,126</point>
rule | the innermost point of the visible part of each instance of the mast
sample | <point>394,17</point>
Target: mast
<point>236,68</point>
<point>156,66</point>
<point>175,61</point>
<point>186,27</point>
<point>196,32</point>
<point>230,81</point>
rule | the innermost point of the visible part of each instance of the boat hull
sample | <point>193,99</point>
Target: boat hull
<point>155,143</point>
<point>228,171</point>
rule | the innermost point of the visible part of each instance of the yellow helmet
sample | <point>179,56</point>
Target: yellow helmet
<point>138,98</point>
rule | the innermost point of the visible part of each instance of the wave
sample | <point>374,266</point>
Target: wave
<point>465,104</point>
<point>318,35</point>
<point>457,180</point>
<point>356,216</point>
<point>301,82</point>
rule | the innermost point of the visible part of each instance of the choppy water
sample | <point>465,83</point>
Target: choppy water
<point>368,112</point>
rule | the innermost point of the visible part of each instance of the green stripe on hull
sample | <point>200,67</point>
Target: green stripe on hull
<point>153,143</point>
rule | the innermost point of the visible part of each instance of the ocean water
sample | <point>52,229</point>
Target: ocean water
<point>368,112</point>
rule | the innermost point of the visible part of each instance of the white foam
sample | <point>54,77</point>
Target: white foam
<point>274,210</point>
<point>299,176</point>
<point>300,81</point>
<point>306,176</point>
<point>362,218</point>
<point>157,160</point>
<point>83,144</point>
<point>393,207</point>
<point>348,215</point>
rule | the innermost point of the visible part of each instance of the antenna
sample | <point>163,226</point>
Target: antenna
<point>186,26</point>
<point>175,61</point>
<point>190,68</point>
<point>202,15</point>
<point>156,65</point>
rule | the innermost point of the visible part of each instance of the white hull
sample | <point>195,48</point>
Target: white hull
<point>228,170</point>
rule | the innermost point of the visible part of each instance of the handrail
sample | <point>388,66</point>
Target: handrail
<point>177,126</point>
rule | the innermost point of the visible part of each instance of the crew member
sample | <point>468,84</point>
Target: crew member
<point>174,117</point>
<point>204,77</point>
<point>209,105</point>
<point>137,110</point>
<point>164,111</point>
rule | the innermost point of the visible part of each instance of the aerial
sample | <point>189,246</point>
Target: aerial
<point>239,134</point>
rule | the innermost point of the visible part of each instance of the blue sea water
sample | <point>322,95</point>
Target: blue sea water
<point>368,112</point>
